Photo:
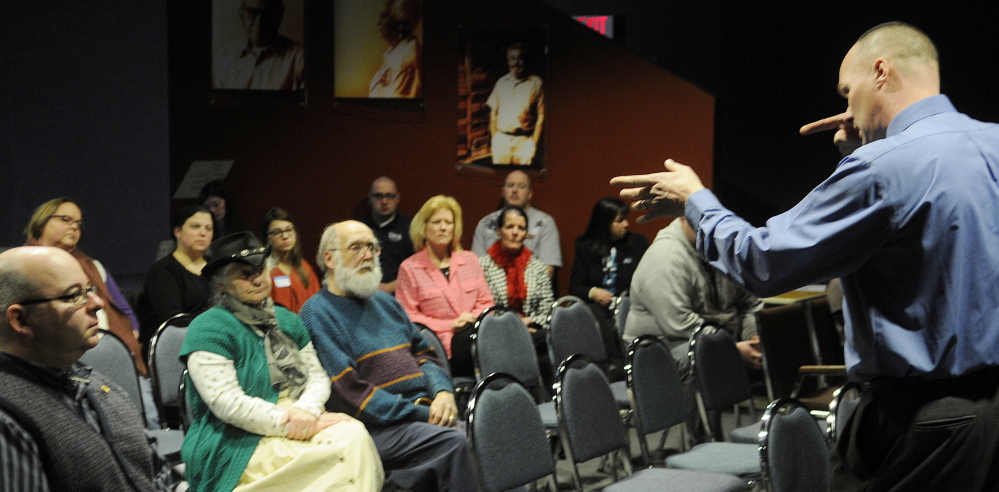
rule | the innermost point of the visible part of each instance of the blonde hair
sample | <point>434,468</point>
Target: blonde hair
<point>42,215</point>
<point>418,228</point>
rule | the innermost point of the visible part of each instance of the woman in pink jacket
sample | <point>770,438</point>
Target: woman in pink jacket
<point>442,286</point>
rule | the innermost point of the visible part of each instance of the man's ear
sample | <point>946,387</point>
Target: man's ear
<point>17,317</point>
<point>328,260</point>
<point>882,70</point>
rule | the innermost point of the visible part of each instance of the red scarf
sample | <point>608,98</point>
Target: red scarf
<point>514,266</point>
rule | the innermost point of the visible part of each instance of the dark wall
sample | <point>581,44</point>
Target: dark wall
<point>608,111</point>
<point>83,112</point>
<point>774,66</point>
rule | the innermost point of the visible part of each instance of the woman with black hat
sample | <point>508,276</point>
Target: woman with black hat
<point>258,419</point>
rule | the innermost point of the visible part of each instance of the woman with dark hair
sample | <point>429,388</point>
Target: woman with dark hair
<point>605,260</point>
<point>258,392</point>
<point>217,199</point>
<point>174,284</point>
<point>59,223</point>
<point>516,278</point>
<point>292,278</point>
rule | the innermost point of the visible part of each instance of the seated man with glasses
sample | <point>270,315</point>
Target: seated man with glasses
<point>62,426</point>
<point>383,372</point>
<point>390,227</point>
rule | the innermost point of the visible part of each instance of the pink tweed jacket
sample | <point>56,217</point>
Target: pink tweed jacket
<point>433,300</point>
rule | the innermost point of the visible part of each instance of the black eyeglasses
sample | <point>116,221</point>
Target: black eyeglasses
<point>78,297</point>
<point>68,220</point>
<point>281,232</point>
<point>383,196</point>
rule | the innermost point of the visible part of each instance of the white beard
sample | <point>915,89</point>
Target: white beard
<point>357,284</point>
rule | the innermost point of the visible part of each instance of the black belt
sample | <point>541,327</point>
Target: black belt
<point>980,380</point>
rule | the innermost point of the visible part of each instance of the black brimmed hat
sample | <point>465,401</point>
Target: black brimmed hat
<point>240,246</point>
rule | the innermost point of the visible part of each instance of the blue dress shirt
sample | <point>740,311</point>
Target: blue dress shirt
<point>911,223</point>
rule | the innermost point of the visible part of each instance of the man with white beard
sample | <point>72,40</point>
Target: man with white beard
<point>382,370</point>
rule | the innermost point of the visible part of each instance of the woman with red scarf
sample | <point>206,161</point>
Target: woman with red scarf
<point>516,278</point>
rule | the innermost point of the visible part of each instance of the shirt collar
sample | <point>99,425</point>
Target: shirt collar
<point>918,110</point>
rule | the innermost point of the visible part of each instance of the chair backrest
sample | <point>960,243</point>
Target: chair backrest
<point>794,454</point>
<point>435,342</point>
<point>574,330</point>
<point>786,345</point>
<point>112,358</point>
<point>719,374</point>
<point>507,437</point>
<point>828,344</point>
<point>502,344</point>
<point>655,386</point>
<point>589,422</point>
<point>165,367</point>
<point>844,401</point>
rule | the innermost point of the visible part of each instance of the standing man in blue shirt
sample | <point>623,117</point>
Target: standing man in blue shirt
<point>910,221</point>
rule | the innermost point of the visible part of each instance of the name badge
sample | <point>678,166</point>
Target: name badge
<point>394,236</point>
<point>282,281</point>
<point>628,260</point>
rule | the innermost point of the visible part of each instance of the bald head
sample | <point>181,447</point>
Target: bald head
<point>41,322</point>
<point>912,51</point>
<point>348,253</point>
<point>517,190</point>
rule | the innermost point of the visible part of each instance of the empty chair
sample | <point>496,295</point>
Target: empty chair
<point>721,382</point>
<point>502,344</point>
<point>507,437</point>
<point>590,427</point>
<point>165,368</point>
<point>656,390</point>
<point>794,454</point>
<point>574,330</point>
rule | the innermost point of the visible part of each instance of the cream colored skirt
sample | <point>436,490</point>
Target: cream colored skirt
<point>340,457</point>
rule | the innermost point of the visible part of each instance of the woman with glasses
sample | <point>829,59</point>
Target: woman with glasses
<point>59,223</point>
<point>442,286</point>
<point>292,278</point>
<point>257,392</point>
<point>174,284</point>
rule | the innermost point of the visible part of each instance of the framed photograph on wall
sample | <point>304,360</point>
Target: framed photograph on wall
<point>378,49</point>
<point>501,99</point>
<point>258,45</point>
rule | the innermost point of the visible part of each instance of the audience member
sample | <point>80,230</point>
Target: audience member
<point>516,112</point>
<point>216,197</point>
<point>292,278</point>
<point>516,278</point>
<point>258,416</point>
<point>674,291</point>
<point>543,239</point>
<point>605,259</point>
<point>62,425</point>
<point>399,75</point>
<point>383,371</point>
<point>265,59</point>
<point>174,284</point>
<point>391,228</point>
<point>59,223</point>
<point>441,286</point>
<point>908,222</point>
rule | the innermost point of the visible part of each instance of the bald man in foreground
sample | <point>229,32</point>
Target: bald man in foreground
<point>910,220</point>
<point>63,427</point>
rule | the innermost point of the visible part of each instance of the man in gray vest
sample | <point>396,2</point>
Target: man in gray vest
<point>62,426</point>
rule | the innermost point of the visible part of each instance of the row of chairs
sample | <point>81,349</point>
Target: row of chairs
<point>511,448</point>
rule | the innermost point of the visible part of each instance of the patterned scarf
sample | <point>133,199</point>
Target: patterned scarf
<point>514,266</point>
<point>284,363</point>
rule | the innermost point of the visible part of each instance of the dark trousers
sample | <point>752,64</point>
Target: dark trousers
<point>912,434</point>
<point>461,360</point>
<point>419,456</point>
